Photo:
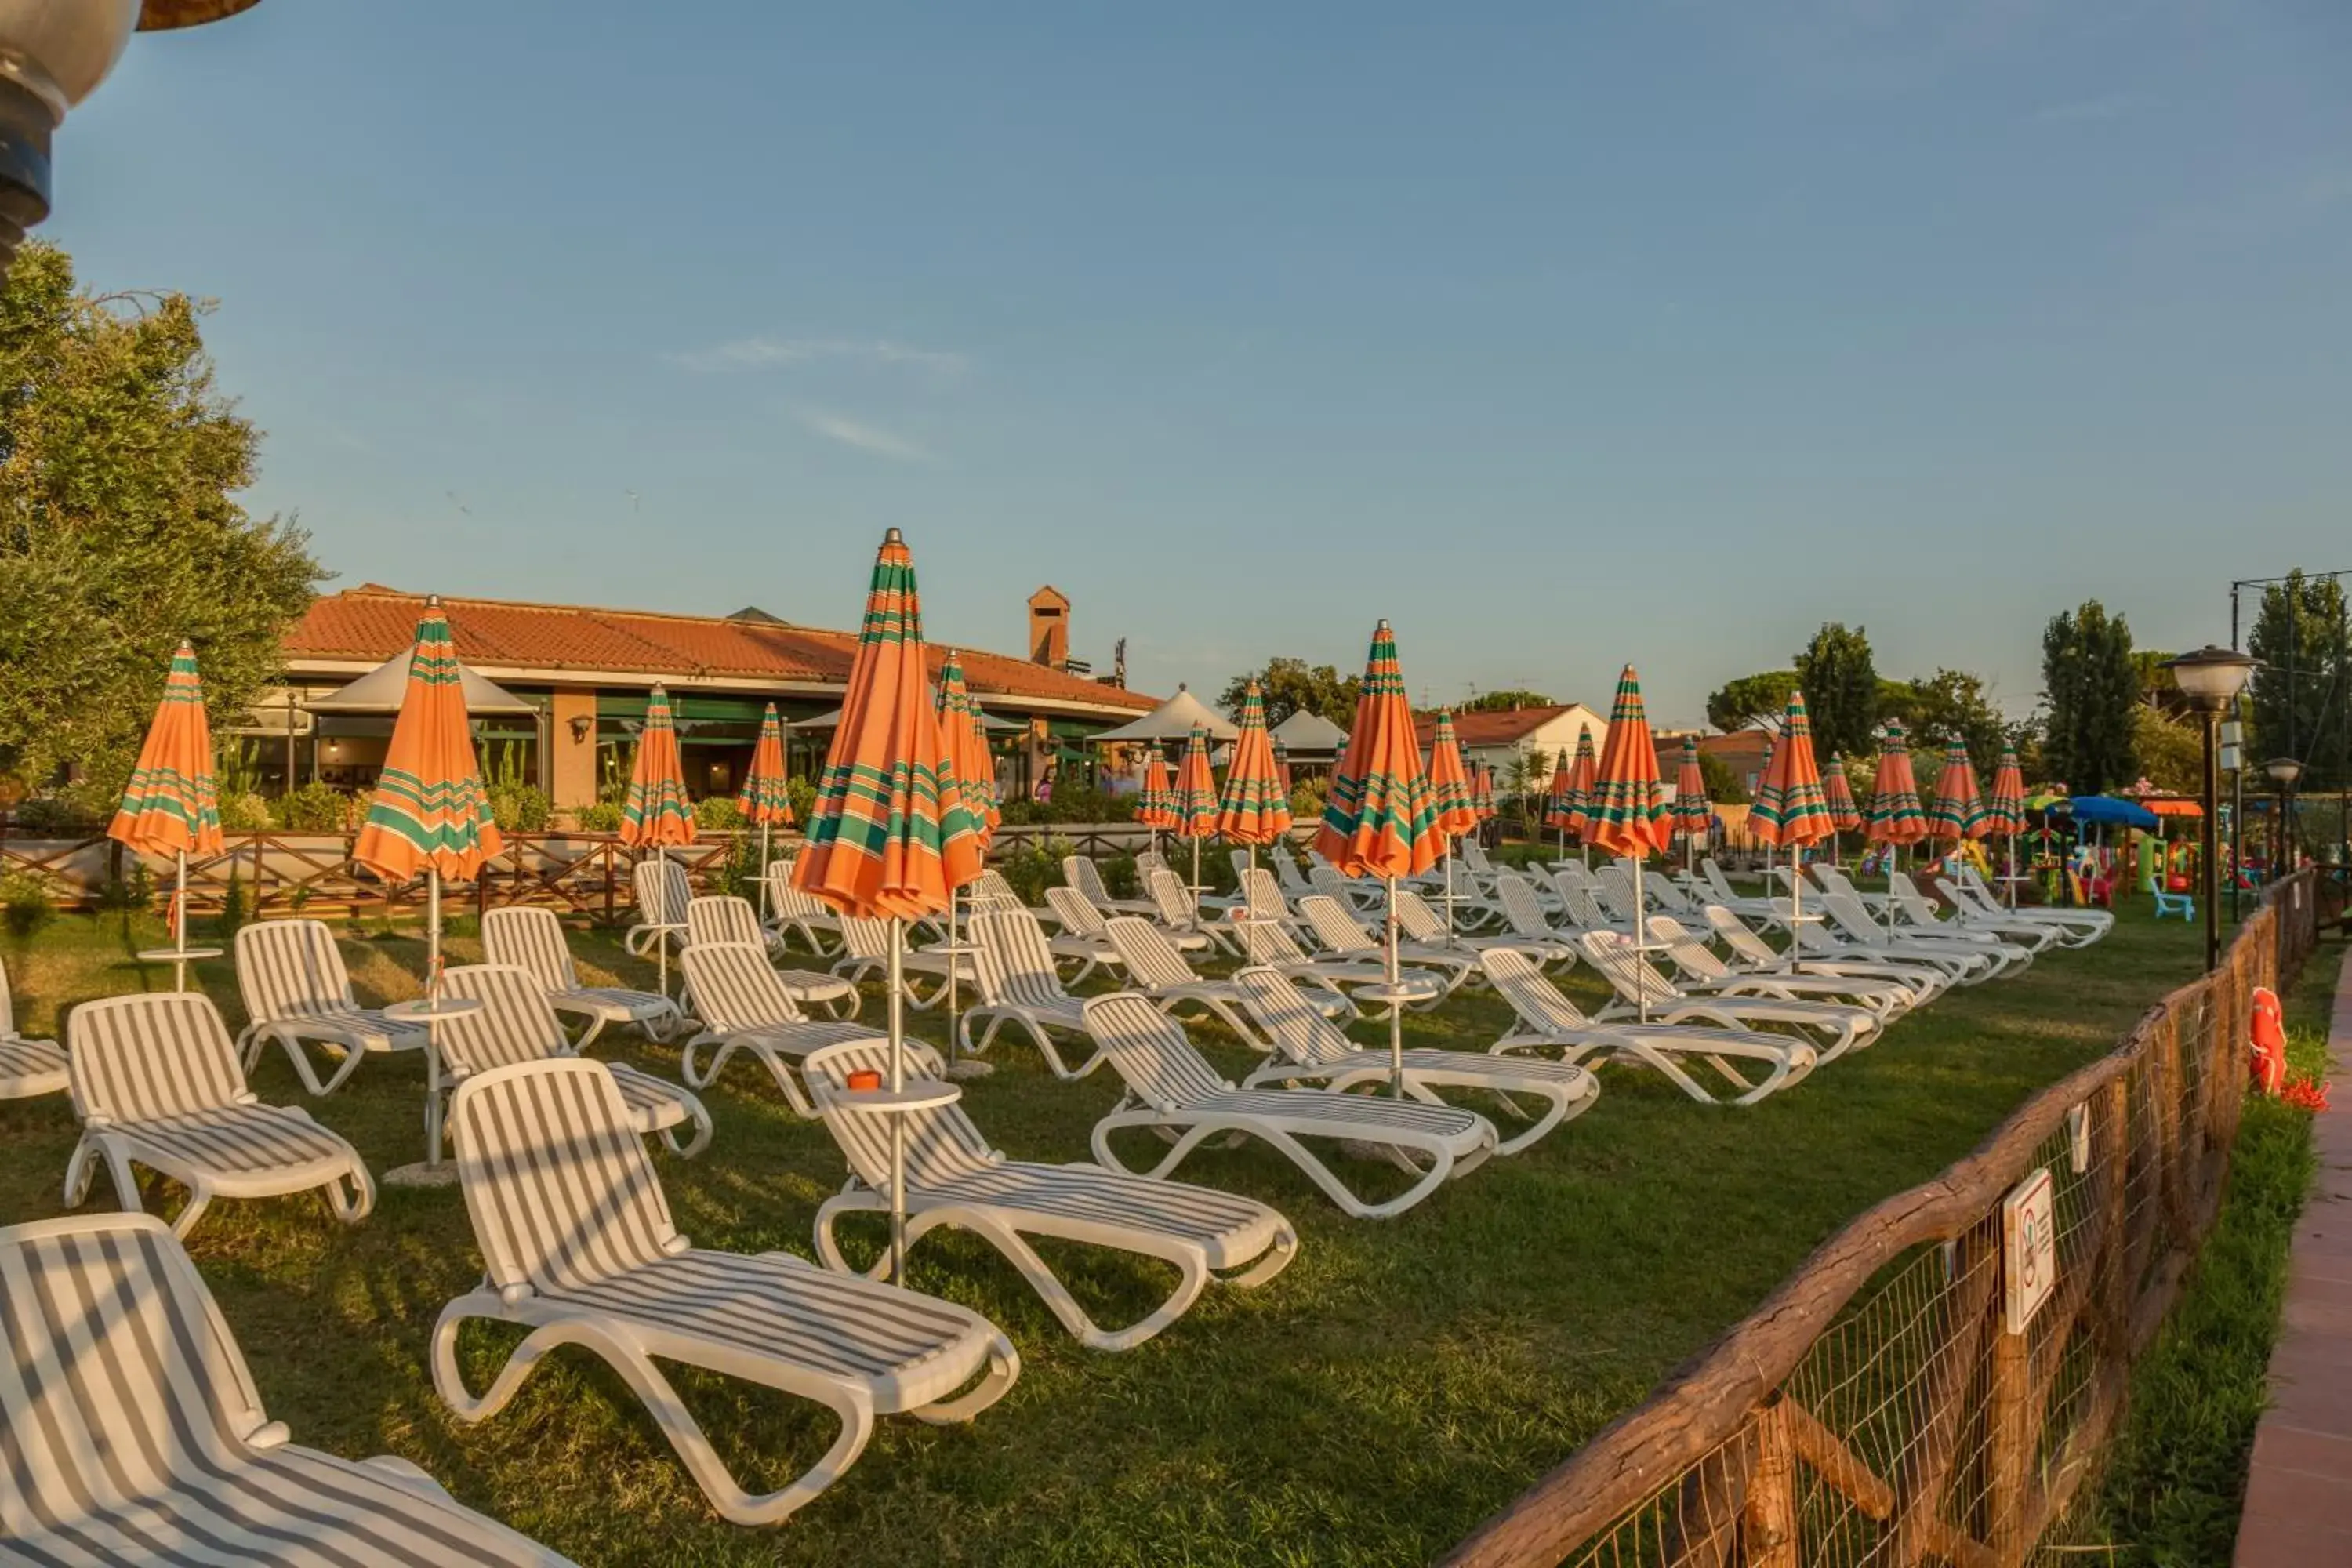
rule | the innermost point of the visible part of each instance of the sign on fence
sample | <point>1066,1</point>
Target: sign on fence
<point>2029,1246</point>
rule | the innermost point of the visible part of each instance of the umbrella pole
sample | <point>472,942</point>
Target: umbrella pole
<point>1196,872</point>
<point>1796,901</point>
<point>763,870</point>
<point>955,962</point>
<point>180,926</point>
<point>661,917</point>
<point>1640,963</point>
<point>1449,895</point>
<point>897,1083</point>
<point>1396,1008</point>
<point>432,994</point>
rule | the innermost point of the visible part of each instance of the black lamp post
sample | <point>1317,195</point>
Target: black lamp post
<point>2283,772</point>
<point>2210,679</point>
<point>53,54</point>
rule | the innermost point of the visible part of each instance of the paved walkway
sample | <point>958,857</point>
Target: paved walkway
<point>2299,1495</point>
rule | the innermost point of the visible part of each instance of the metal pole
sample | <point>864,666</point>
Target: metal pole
<point>432,994</point>
<point>897,1122</point>
<point>955,962</point>
<point>180,926</point>
<point>1396,1006</point>
<point>2212,841</point>
<point>763,870</point>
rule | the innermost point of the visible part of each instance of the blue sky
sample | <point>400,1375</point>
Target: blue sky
<point>1561,335</point>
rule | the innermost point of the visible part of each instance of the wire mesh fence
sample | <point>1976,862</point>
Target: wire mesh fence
<point>1926,1389</point>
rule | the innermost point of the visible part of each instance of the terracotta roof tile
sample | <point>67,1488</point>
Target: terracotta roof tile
<point>373,622</point>
<point>1495,727</point>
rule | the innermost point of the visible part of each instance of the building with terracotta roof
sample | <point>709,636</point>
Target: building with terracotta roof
<point>589,671</point>
<point>1499,737</point>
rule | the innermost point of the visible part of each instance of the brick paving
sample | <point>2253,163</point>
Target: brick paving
<point>2299,1492</point>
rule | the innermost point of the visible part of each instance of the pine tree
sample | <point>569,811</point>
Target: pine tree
<point>2091,685</point>
<point>1841,686</point>
<point>2298,695</point>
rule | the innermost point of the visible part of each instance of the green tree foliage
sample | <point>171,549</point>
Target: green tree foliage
<point>1723,785</point>
<point>1841,687</point>
<point>1951,705</point>
<point>2171,753</point>
<point>118,535</point>
<point>2090,686</point>
<point>1289,685</point>
<point>1503,701</point>
<point>1752,702</point>
<point>2298,696</point>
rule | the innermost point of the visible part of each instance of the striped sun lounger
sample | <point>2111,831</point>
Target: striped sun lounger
<point>156,1083</point>
<point>296,989</point>
<point>27,1068</point>
<point>580,1248</point>
<point>136,1435</point>
<point>531,939</point>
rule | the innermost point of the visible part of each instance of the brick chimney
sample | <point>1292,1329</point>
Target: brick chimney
<point>1049,627</point>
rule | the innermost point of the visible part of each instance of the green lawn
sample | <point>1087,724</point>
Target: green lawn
<point>1372,1404</point>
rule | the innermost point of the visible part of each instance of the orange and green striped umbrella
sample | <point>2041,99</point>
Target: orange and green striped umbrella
<point>1559,801</point>
<point>1449,784</point>
<point>889,837</point>
<point>1581,781</point>
<point>171,805</point>
<point>1378,820</point>
<point>2005,807</point>
<point>1839,793</point>
<point>656,811</point>
<point>1154,802</point>
<point>1894,816</point>
<point>765,799</point>
<point>1254,808</point>
<point>1693,811</point>
<point>967,749</point>
<point>1481,791</point>
<point>1791,809</point>
<point>1623,812</point>
<point>1957,812</point>
<point>430,811</point>
<point>1193,800</point>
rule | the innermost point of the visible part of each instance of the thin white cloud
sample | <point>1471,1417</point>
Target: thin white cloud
<point>767,353</point>
<point>857,434</point>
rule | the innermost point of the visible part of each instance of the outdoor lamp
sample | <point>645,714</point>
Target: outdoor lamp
<point>2209,679</point>
<point>581,723</point>
<point>53,53</point>
<point>2283,772</point>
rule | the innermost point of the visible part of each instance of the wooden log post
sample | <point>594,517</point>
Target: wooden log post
<point>1767,1523</point>
<point>1703,1522</point>
<point>2007,1431</point>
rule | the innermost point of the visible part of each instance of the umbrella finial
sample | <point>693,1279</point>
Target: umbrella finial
<point>432,601</point>
<point>892,536</point>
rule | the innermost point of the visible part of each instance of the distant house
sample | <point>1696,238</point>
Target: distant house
<point>589,670</point>
<point>1743,752</point>
<point>1500,738</point>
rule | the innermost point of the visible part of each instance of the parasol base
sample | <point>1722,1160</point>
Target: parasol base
<point>421,1174</point>
<point>967,1067</point>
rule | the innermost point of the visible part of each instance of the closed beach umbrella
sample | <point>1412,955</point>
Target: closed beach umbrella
<point>1956,813</point>
<point>969,763</point>
<point>1693,811</point>
<point>1559,801</point>
<point>1152,802</point>
<point>1839,793</point>
<point>171,805</point>
<point>889,837</point>
<point>656,813</point>
<point>1791,809</point>
<point>1378,820</point>
<point>765,798</point>
<point>2005,810</point>
<point>1192,800</point>
<point>430,813</point>
<point>1253,808</point>
<point>1580,790</point>
<point>1894,819</point>
<point>1481,791</point>
<point>1452,797</point>
<point>1624,815</point>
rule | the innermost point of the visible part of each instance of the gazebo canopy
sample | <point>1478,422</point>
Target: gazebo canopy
<point>381,690</point>
<point>1174,720</point>
<point>1309,733</point>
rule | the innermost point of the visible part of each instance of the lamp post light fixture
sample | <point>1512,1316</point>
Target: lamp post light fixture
<point>2283,772</point>
<point>2209,680</point>
<point>53,54</point>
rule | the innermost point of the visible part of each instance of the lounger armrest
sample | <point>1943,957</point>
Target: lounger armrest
<point>676,1247</point>
<point>246,1096</point>
<point>407,1474</point>
<point>269,1435</point>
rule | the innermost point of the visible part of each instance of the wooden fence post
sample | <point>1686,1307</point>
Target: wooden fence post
<point>2008,1423</point>
<point>1768,1522</point>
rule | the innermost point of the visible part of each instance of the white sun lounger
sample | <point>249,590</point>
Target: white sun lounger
<point>1548,1020</point>
<point>27,1068</point>
<point>1084,875</point>
<point>1018,984</point>
<point>2082,926</point>
<point>1356,895</point>
<point>1849,923</point>
<point>955,1180</point>
<point>791,910</point>
<point>1839,1027</point>
<point>517,1024</point>
<point>1720,890</point>
<point>295,988</point>
<point>1529,929</point>
<point>662,891</point>
<point>1173,907</point>
<point>1157,970</point>
<point>1169,1086</point>
<point>1084,936</point>
<point>156,1083</point>
<point>531,940</point>
<point>720,920</point>
<point>136,1433</point>
<point>1310,1046</point>
<point>1345,939</point>
<point>744,1007</point>
<point>1292,880</point>
<point>1911,912</point>
<point>865,955</point>
<point>1701,971</point>
<point>1751,954</point>
<point>580,1249</point>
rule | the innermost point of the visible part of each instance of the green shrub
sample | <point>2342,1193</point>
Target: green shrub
<point>717,814</point>
<point>24,904</point>
<point>236,905</point>
<point>520,807</point>
<point>1306,798</point>
<point>48,815</point>
<point>315,807</point>
<point>1119,875</point>
<point>604,816</point>
<point>243,812</point>
<point>1034,867</point>
<point>737,871</point>
<point>118,895</point>
<point>804,798</point>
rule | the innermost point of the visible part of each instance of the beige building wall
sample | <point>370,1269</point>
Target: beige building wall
<point>573,781</point>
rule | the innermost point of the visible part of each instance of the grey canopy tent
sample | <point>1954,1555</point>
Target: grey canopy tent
<point>1310,735</point>
<point>1172,721</point>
